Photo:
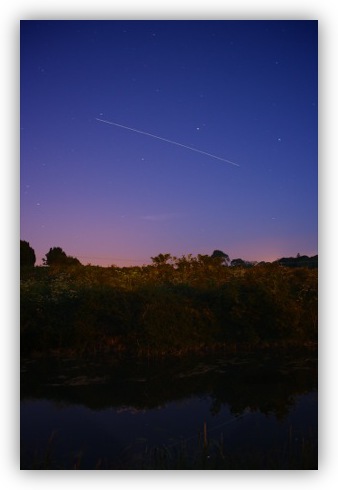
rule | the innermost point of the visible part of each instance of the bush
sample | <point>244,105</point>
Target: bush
<point>186,308</point>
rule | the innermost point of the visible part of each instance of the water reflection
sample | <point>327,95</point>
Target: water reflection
<point>115,411</point>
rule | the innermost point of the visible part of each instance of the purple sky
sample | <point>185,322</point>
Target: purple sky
<point>244,91</point>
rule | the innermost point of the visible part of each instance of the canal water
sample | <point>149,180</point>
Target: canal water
<point>223,412</point>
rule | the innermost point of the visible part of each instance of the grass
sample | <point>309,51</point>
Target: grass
<point>204,455</point>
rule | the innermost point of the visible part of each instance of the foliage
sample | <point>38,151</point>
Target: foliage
<point>172,306</point>
<point>299,261</point>
<point>224,258</point>
<point>27,254</point>
<point>56,256</point>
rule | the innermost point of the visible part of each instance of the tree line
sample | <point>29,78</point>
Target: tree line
<point>57,257</point>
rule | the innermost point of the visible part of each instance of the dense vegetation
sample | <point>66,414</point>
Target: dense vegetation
<point>172,306</point>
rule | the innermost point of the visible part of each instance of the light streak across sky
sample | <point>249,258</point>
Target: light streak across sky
<point>246,92</point>
<point>168,141</point>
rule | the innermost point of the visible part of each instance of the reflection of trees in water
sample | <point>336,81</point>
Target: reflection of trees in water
<point>268,384</point>
<point>267,398</point>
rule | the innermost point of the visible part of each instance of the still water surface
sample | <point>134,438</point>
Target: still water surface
<point>87,414</point>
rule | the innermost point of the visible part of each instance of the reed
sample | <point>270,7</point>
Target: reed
<point>204,454</point>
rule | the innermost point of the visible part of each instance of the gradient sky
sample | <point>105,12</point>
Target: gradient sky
<point>245,91</point>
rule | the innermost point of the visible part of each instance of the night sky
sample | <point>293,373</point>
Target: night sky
<point>241,91</point>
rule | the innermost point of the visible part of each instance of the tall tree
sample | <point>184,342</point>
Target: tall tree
<point>27,254</point>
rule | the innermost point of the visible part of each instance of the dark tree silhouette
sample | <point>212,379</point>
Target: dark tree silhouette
<point>218,254</point>
<point>56,256</point>
<point>238,263</point>
<point>161,259</point>
<point>299,261</point>
<point>27,254</point>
